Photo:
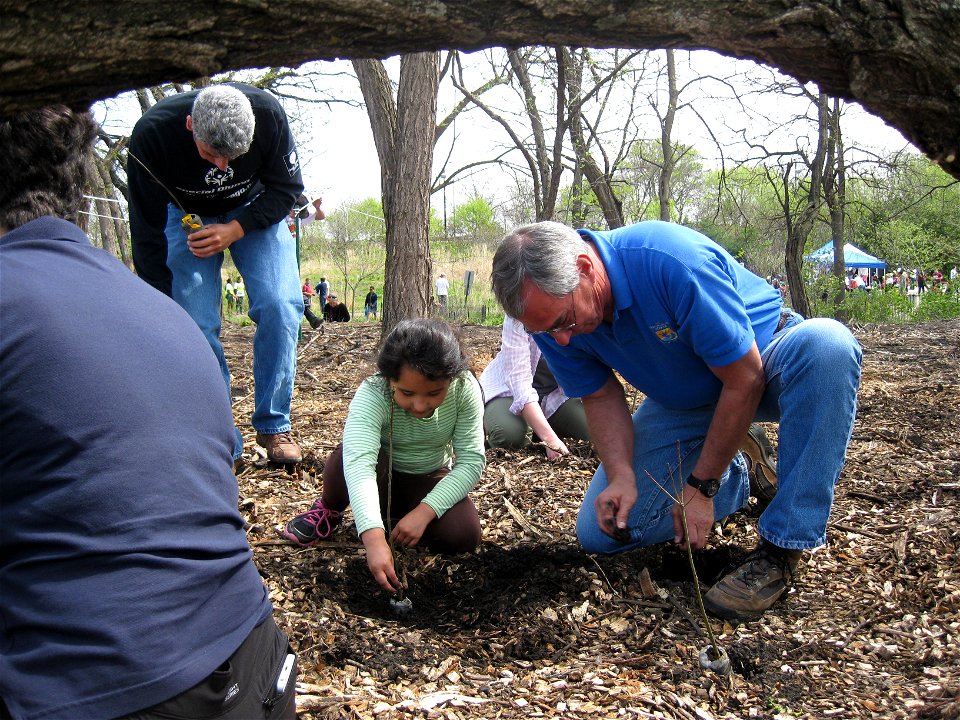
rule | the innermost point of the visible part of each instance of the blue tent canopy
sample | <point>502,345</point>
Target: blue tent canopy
<point>853,257</point>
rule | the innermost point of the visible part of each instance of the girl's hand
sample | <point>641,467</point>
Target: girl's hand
<point>408,531</point>
<point>380,560</point>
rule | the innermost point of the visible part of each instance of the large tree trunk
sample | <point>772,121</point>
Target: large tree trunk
<point>899,59</point>
<point>404,135</point>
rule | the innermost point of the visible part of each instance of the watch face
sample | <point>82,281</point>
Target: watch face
<point>708,487</point>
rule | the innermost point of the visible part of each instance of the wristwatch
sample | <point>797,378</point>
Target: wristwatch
<point>708,487</point>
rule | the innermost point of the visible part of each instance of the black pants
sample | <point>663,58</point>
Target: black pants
<point>456,531</point>
<point>243,688</point>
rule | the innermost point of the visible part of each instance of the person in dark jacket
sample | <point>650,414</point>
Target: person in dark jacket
<point>370,304</point>
<point>334,310</point>
<point>214,169</point>
<point>127,581</point>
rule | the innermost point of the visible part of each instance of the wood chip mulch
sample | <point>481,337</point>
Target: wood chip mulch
<point>530,626</point>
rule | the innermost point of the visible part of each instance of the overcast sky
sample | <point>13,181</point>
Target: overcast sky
<point>339,159</point>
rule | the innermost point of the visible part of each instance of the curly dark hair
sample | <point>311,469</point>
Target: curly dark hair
<point>431,347</point>
<point>45,159</point>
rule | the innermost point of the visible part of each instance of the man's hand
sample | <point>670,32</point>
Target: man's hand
<point>408,531</point>
<point>380,560</point>
<point>699,512</point>
<point>613,507</point>
<point>212,239</point>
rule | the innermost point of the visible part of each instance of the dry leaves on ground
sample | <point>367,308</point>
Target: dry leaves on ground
<point>530,626</point>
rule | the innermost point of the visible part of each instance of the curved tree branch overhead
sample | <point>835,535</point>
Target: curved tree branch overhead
<point>900,60</point>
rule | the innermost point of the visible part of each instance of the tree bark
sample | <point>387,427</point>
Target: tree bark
<point>900,59</point>
<point>586,165</point>
<point>404,135</point>
<point>665,181</point>
<point>798,227</point>
<point>835,195</point>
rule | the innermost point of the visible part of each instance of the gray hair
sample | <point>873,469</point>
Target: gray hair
<point>223,119</point>
<point>545,253</point>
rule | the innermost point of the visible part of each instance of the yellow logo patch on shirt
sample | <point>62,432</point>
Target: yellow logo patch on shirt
<point>665,333</point>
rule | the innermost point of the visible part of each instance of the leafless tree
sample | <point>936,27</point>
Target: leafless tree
<point>834,180</point>
<point>608,80</point>
<point>565,91</point>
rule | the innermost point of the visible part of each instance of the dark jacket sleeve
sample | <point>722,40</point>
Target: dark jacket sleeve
<point>148,218</point>
<point>280,173</point>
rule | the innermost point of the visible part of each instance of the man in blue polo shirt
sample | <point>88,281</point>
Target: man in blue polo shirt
<point>711,347</point>
<point>128,585</point>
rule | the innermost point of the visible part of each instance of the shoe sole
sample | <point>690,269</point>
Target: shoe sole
<point>763,470</point>
<point>731,614</point>
<point>295,541</point>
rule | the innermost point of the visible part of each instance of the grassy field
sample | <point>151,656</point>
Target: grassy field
<point>454,259</point>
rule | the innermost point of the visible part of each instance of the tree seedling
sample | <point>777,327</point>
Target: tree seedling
<point>713,656</point>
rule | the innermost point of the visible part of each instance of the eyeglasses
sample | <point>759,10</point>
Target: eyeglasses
<point>559,328</point>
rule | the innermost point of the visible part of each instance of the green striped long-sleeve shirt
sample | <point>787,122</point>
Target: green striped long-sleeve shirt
<point>452,434</point>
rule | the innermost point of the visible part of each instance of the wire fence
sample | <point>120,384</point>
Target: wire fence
<point>477,314</point>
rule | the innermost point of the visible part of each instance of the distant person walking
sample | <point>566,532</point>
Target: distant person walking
<point>230,295</point>
<point>322,290</point>
<point>370,304</point>
<point>443,288</point>
<point>240,295</point>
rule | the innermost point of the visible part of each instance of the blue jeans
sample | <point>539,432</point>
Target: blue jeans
<point>812,368</point>
<point>267,261</point>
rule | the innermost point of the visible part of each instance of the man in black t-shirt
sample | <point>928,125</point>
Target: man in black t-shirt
<point>225,155</point>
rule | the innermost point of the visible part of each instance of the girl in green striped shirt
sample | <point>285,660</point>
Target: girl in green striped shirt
<point>416,427</point>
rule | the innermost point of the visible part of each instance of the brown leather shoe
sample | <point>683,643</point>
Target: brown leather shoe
<point>755,585</point>
<point>281,448</point>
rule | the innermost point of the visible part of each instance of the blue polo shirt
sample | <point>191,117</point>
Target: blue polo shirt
<point>125,573</point>
<point>681,303</point>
